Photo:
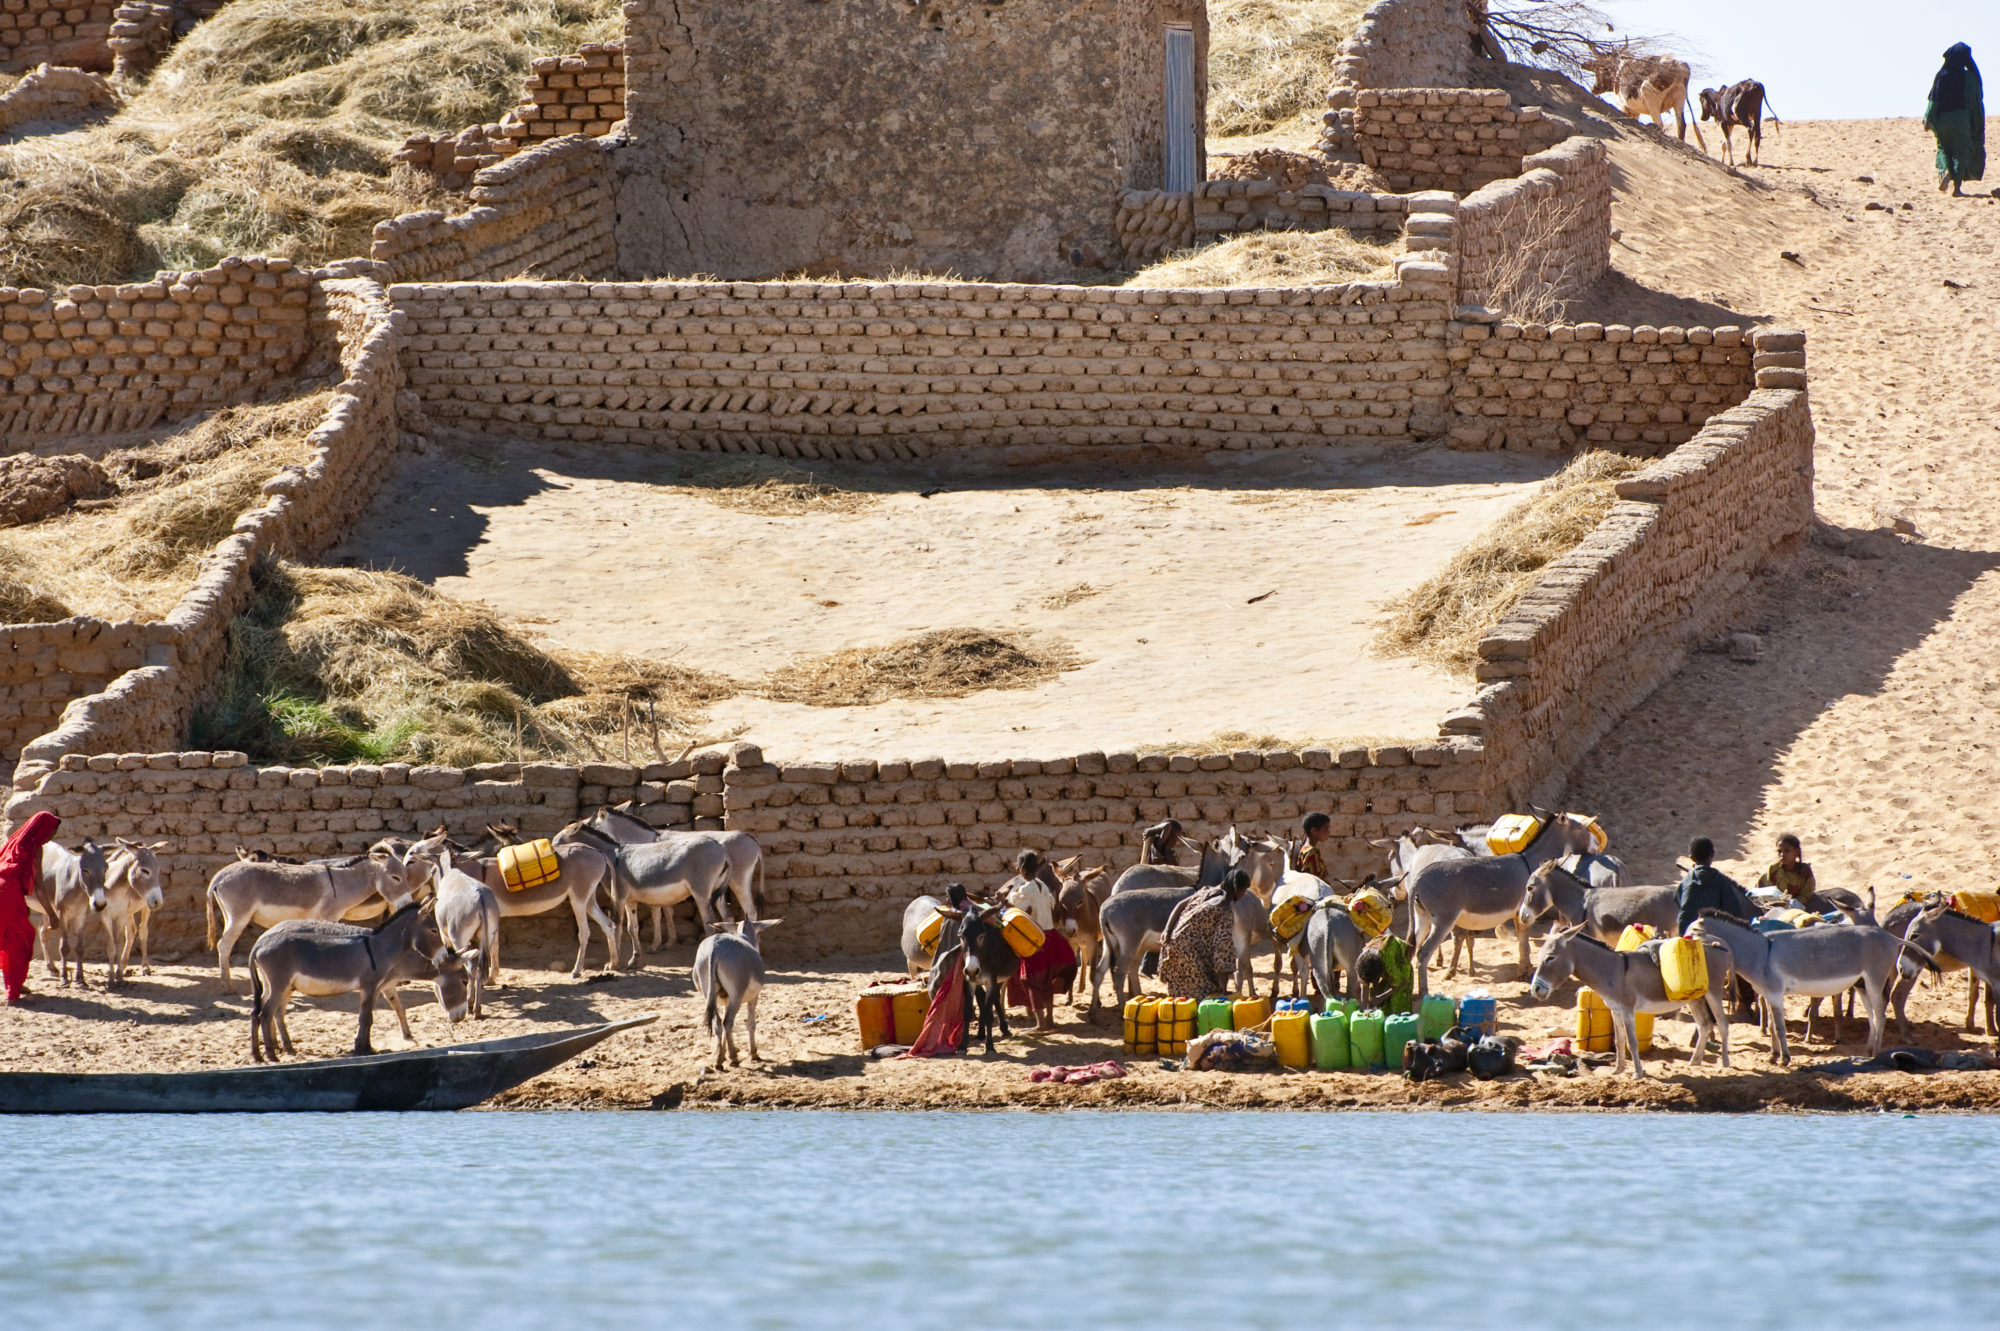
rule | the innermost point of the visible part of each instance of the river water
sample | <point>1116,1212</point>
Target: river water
<point>915,1220</point>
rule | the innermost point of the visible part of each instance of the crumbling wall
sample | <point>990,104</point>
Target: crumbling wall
<point>1528,244</point>
<point>547,212</point>
<point>43,666</point>
<point>55,32</point>
<point>868,370</point>
<point>54,93</point>
<point>541,214</point>
<point>582,94</point>
<point>102,359</point>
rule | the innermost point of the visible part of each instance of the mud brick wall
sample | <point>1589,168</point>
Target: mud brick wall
<point>1406,44</point>
<point>150,705</point>
<point>1612,620</point>
<point>870,370</point>
<point>547,212</point>
<point>1545,236</point>
<point>582,93</point>
<point>1455,139</point>
<point>1563,386</point>
<point>104,359</point>
<point>57,32</point>
<point>43,666</point>
<point>1153,223</point>
<point>847,844</point>
<point>53,93</point>
<point>854,137</point>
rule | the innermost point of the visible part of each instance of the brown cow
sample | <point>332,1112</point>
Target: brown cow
<point>1739,104</point>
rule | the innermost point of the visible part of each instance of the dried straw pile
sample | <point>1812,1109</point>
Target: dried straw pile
<point>134,556</point>
<point>341,665</point>
<point>770,487</point>
<point>1441,620</point>
<point>1268,62</point>
<point>1272,259</point>
<point>268,129</point>
<point>947,663</point>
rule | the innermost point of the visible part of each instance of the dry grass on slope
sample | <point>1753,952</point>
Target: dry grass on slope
<point>343,665</point>
<point>1442,619</point>
<point>268,130</point>
<point>1269,62</point>
<point>1272,259</point>
<point>133,556</point>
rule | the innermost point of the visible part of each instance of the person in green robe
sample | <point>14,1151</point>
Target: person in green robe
<point>1956,117</point>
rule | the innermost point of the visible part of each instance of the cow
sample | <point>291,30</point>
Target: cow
<point>1739,104</point>
<point>1648,85</point>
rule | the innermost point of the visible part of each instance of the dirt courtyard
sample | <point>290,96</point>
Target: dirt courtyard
<point>1197,602</point>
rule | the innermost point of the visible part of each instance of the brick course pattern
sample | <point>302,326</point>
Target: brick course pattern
<point>104,359</point>
<point>1558,387</point>
<point>1455,139</point>
<point>1547,232</point>
<point>43,666</point>
<point>56,32</point>
<point>1407,44</point>
<point>582,94</point>
<point>869,370</point>
<point>547,212</point>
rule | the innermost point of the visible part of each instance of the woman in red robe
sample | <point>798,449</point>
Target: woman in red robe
<point>19,859</point>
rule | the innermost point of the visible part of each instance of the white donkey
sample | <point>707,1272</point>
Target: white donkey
<point>69,887</point>
<point>132,892</point>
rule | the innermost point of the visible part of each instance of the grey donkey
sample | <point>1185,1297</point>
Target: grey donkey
<point>729,967</point>
<point>268,893</point>
<point>1333,946</point>
<point>69,889</point>
<point>1954,935</point>
<point>1630,983</point>
<point>1481,893</point>
<point>622,823</point>
<point>658,873</point>
<point>1818,962</point>
<point>321,958</point>
<point>1413,850</point>
<point>468,916</point>
<point>1604,911</point>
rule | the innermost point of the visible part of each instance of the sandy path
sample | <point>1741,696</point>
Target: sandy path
<point>1200,603</point>
<point>1868,727</point>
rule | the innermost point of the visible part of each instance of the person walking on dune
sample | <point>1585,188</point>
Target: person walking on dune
<point>1956,116</point>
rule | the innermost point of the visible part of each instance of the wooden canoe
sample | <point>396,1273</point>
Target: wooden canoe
<point>451,1077</point>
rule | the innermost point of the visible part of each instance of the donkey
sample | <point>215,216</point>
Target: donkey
<point>251,892</point>
<point>1480,893</point>
<point>1410,852</point>
<point>657,873</point>
<point>1333,946</point>
<point>622,823</point>
<point>69,888</point>
<point>1077,915</point>
<point>1898,921</point>
<point>1132,923</point>
<point>1603,911</point>
<point>1820,962</point>
<point>582,869</point>
<point>988,962</point>
<point>1951,935</point>
<point>1309,891</point>
<point>132,893</point>
<point>468,917</point>
<point>1262,857</point>
<point>320,958</point>
<point>1630,983</point>
<point>729,964</point>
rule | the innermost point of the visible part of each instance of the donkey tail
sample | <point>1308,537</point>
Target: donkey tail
<point>708,989</point>
<point>208,899</point>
